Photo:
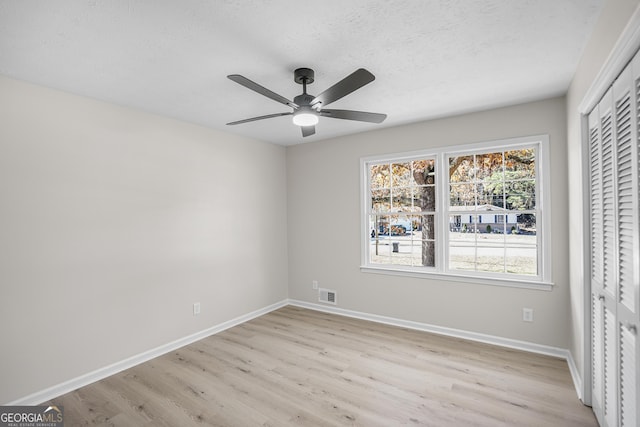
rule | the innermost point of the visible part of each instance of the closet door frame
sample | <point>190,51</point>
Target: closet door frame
<point>624,50</point>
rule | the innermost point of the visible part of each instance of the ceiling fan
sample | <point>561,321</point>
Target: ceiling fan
<point>308,108</point>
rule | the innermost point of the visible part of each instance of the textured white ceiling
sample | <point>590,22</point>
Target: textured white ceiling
<point>171,57</point>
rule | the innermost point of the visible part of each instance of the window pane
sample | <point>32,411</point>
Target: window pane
<point>381,226</point>
<point>425,198</point>
<point>427,253</point>
<point>401,174</point>
<point>402,199</point>
<point>461,169</point>
<point>416,254</point>
<point>455,226</point>
<point>373,219</point>
<point>523,225</point>
<point>381,200</point>
<point>379,251</point>
<point>427,227</point>
<point>489,238</point>
<point>470,224</point>
<point>489,165</point>
<point>399,240</point>
<point>462,255</point>
<point>379,176</point>
<point>491,193</point>
<point>462,237</point>
<point>462,195</point>
<point>527,224</point>
<point>500,225</point>
<point>521,260</point>
<point>398,190</point>
<point>495,186</point>
<point>522,161</point>
<point>399,226</point>
<point>521,245</point>
<point>521,195</point>
<point>490,259</point>
<point>424,171</point>
<point>401,251</point>
<point>415,222</point>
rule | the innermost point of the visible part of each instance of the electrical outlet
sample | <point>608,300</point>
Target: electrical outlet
<point>314,284</point>
<point>527,314</point>
<point>196,308</point>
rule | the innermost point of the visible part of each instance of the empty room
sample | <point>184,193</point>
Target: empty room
<point>363,213</point>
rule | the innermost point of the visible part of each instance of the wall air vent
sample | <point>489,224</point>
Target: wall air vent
<point>327,295</point>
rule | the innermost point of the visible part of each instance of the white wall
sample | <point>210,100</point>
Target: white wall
<point>324,229</point>
<point>613,19</point>
<point>114,222</point>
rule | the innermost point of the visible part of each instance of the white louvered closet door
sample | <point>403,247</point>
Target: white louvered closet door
<point>603,264</point>
<point>615,250</point>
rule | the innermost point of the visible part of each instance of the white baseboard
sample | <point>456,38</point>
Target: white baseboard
<point>457,333</point>
<point>91,377</point>
<point>575,375</point>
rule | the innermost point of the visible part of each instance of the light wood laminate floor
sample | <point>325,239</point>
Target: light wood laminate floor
<point>301,367</point>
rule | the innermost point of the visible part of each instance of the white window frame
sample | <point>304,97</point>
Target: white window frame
<point>441,271</point>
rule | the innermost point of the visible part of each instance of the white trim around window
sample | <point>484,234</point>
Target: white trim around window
<point>441,270</point>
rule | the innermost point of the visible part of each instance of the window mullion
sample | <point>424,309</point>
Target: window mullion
<point>442,212</point>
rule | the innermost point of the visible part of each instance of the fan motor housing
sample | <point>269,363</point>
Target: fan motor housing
<point>304,99</point>
<point>303,76</point>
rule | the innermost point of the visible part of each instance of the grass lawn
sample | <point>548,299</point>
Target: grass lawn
<point>502,253</point>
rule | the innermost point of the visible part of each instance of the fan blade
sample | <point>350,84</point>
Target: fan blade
<point>352,82</point>
<point>360,116</point>
<point>308,130</point>
<point>253,119</point>
<point>261,90</point>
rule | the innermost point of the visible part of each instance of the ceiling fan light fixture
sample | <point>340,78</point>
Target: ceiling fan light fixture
<point>305,119</point>
<point>307,108</point>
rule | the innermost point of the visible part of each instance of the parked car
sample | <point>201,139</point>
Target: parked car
<point>396,230</point>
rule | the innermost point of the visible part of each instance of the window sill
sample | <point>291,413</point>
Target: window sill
<point>492,281</point>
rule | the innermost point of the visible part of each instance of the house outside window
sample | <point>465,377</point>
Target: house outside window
<point>466,212</point>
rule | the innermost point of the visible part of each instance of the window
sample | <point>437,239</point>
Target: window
<point>402,214</point>
<point>464,212</point>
